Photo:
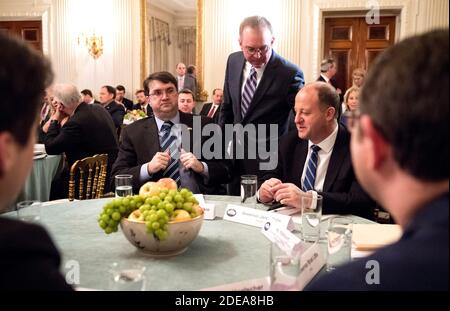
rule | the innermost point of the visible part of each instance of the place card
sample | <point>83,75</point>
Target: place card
<point>283,238</point>
<point>210,211</point>
<point>255,217</point>
<point>200,198</point>
<point>262,284</point>
<point>311,261</point>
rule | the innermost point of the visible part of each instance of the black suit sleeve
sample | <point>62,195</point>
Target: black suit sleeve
<point>226,108</point>
<point>117,116</point>
<point>60,139</point>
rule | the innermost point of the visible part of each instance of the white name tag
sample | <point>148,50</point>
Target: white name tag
<point>283,238</point>
<point>262,284</point>
<point>311,262</point>
<point>256,218</point>
<point>210,210</point>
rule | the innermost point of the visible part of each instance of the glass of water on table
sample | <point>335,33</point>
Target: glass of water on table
<point>124,185</point>
<point>249,187</point>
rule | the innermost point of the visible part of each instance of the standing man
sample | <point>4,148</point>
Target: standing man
<point>399,149</point>
<point>328,70</point>
<point>121,99</point>
<point>117,112</point>
<point>260,87</point>
<point>28,258</point>
<point>150,149</point>
<point>211,110</point>
<point>143,103</point>
<point>185,81</point>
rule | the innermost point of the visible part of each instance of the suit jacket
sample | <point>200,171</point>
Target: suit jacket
<point>205,110</point>
<point>88,132</point>
<point>190,83</point>
<point>418,261</point>
<point>149,109</point>
<point>341,193</point>
<point>29,259</point>
<point>117,113</point>
<point>140,142</point>
<point>273,100</point>
<point>127,103</point>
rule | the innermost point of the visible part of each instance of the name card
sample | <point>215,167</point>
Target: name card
<point>262,284</point>
<point>256,218</point>
<point>210,211</point>
<point>311,262</point>
<point>283,238</point>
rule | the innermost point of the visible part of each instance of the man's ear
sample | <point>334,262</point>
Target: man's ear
<point>331,113</point>
<point>7,145</point>
<point>379,147</point>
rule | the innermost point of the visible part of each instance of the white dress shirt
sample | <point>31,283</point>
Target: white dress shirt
<point>246,73</point>
<point>324,155</point>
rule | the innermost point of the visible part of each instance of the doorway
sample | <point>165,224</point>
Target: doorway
<point>29,31</point>
<point>353,43</point>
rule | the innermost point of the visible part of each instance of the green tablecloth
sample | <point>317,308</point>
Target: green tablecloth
<point>224,252</point>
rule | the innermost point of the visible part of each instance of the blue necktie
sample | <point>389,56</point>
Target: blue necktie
<point>310,176</point>
<point>249,91</point>
<point>169,143</point>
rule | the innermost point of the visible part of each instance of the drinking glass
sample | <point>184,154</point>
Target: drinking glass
<point>127,276</point>
<point>284,269</point>
<point>124,185</point>
<point>339,241</point>
<point>249,186</point>
<point>311,215</point>
<point>29,210</point>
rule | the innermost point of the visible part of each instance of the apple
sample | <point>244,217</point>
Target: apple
<point>180,215</point>
<point>167,183</point>
<point>149,189</point>
<point>198,210</point>
<point>136,216</point>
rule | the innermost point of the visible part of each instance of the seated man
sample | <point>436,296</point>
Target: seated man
<point>186,101</point>
<point>116,110</point>
<point>89,131</point>
<point>150,149</point>
<point>28,258</point>
<point>143,103</point>
<point>316,157</point>
<point>400,152</point>
<point>212,110</point>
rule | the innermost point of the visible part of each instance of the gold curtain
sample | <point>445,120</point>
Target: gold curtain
<point>159,45</point>
<point>186,44</point>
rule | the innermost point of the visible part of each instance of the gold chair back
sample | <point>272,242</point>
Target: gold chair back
<point>90,176</point>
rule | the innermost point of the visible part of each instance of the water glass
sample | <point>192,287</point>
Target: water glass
<point>127,277</point>
<point>249,186</point>
<point>311,215</point>
<point>284,270</point>
<point>29,211</point>
<point>339,241</point>
<point>124,185</point>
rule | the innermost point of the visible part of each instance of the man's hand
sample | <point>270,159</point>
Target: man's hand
<point>265,191</point>
<point>189,161</point>
<point>159,162</point>
<point>288,194</point>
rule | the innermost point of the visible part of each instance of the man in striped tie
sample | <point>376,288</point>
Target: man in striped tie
<point>151,148</point>
<point>316,158</point>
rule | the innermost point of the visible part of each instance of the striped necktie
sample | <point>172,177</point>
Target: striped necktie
<point>249,91</point>
<point>310,176</point>
<point>169,143</point>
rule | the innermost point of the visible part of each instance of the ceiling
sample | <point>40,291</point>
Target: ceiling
<point>178,6</point>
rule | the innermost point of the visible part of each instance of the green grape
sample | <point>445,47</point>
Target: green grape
<point>113,223</point>
<point>187,206</point>
<point>179,205</point>
<point>165,227</point>
<point>161,205</point>
<point>166,218</point>
<point>125,202</point>
<point>184,191</point>
<point>116,216</point>
<point>162,195</point>
<point>109,230</point>
<point>155,200</point>
<point>162,222</point>
<point>193,214</point>
<point>102,224</point>
<point>148,224</point>
<point>163,235</point>
<point>168,198</point>
<point>122,209</point>
<point>133,205</point>
<point>105,217</point>
<point>169,208</point>
<point>109,211</point>
<point>161,213</point>
<point>138,199</point>
<point>155,225</point>
<point>172,192</point>
<point>192,200</point>
<point>153,218</point>
<point>164,190</point>
<point>178,198</point>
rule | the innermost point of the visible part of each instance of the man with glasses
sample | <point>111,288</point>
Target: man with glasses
<point>152,148</point>
<point>260,87</point>
<point>399,149</point>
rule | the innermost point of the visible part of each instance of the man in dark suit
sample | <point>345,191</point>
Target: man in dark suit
<point>260,87</point>
<point>121,99</point>
<point>317,127</point>
<point>211,110</point>
<point>400,153</point>
<point>150,148</point>
<point>88,98</point>
<point>89,131</point>
<point>143,103</point>
<point>185,80</point>
<point>117,111</point>
<point>328,69</point>
<point>28,258</point>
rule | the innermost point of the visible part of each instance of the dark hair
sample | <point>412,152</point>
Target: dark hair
<point>120,88</point>
<point>328,97</point>
<point>216,89</point>
<point>19,65</point>
<point>87,92</point>
<point>190,69</point>
<point>406,95</point>
<point>162,76</point>
<point>110,90</point>
<point>255,22</point>
<point>139,91</point>
<point>186,91</point>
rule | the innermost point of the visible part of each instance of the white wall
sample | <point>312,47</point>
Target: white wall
<point>298,27</point>
<point>118,21</point>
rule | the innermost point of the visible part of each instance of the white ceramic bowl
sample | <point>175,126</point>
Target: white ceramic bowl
<point>180,235</point>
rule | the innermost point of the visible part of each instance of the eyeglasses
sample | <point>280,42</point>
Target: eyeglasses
<point>159,93</point>
<point>261,50</point>
<point>349,118</point>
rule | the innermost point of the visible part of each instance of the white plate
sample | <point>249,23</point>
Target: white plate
<point>39,156</point>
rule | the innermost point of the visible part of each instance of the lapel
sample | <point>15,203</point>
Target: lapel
<point>267,79</point>
<point>338,155</point>
<point>150,129</point>
<point>301,149</point>
<point>187,119</point>
<point>235,85</point>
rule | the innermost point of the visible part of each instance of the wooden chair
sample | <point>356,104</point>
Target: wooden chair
<point>90,176</point>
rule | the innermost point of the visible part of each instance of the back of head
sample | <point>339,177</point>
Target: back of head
<point>24,76</point>
<point>68,94</point>
<point>410,108</point>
